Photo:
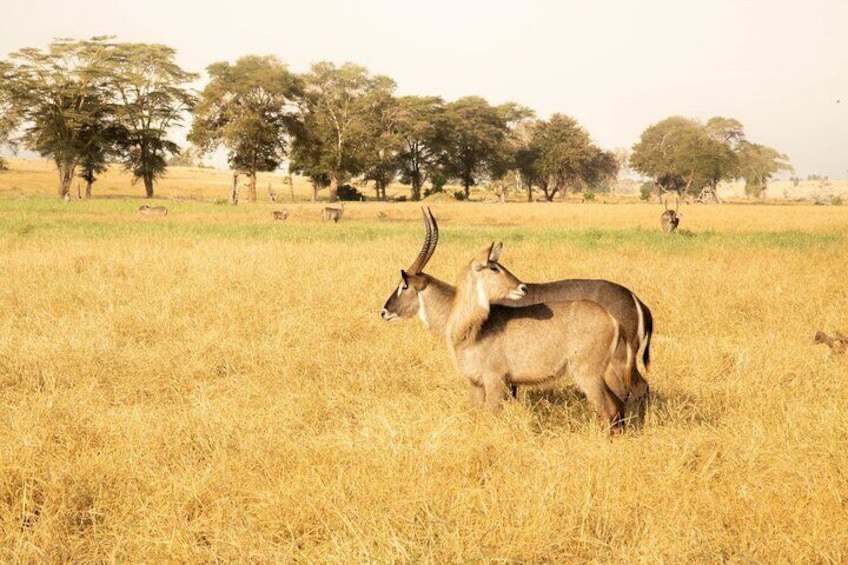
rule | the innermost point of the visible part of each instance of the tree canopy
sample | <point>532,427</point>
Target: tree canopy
<point>343,108</point>
<point>151,97</point>
<point>687,157</point>
<point>82,101</point>
<point>251,109</point>
<point>85,103</point>
<point>560,154</point>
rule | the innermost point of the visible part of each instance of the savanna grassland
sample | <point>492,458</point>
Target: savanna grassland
<point>214,386</point>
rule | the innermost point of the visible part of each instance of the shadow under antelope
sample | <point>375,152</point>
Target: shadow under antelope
<point>146,210</point>
<point>430,299</point>
<point>334,214</point>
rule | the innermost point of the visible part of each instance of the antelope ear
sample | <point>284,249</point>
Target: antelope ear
<point>495,252</point>
<point>483,257</point>
<point>404,277</point>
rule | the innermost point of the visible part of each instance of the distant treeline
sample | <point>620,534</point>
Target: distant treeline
<point>85,103</point>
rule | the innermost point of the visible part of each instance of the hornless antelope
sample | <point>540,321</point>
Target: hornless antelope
<point>494,348</point>
<point>334,214</point>
<point>430,299</point>
<point>280,214</point>
<point>669,218</point>
<point>146,210</point>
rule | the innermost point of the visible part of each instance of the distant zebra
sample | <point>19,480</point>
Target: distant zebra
<point>334,214</point>
<point>146,210</point>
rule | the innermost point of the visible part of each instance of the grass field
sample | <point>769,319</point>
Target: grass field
<point>214,386</point>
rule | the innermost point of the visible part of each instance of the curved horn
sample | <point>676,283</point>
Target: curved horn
<point>435,239</point>
<point>429,243</point>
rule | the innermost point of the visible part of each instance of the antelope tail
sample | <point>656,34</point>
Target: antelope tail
<point>646,330</point>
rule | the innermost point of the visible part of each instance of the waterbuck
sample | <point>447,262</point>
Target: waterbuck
<point>280,214</point>
<point>496,347</point>
<point>146,210</point>
<point>334,214</point>
<point>423,295</point>
<point>669,219</point>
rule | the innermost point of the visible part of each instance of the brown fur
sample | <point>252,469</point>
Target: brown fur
<point>422,295</point>
<point>535,344</point>
<point>280,214</point>
<point>669,221</point>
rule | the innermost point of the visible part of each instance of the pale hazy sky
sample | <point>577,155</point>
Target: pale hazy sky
<point>617,66</point>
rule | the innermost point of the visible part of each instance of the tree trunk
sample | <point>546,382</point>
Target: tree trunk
<point>148,185</point>
<point>66,176</point>
<point>416,185</point>
<point>251,186</point>
<point>234,190</point>
<point>87,189</point>
<point>314,191</point>
<point>334,188</point>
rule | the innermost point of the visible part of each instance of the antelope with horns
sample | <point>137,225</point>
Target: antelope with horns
<point>670,218</point>
<point>494,348</point>
<point>334,214</point>
<point>152,210</point>
<point>430,299</point>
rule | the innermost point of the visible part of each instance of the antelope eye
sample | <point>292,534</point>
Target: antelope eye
<point>494,267</point>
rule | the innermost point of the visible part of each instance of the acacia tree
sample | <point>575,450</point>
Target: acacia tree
<point>418,126</point>
<point>251,109</point>
<point>60,96</point>
<point>685,156</point>
<point>100,140</point>
<point>341,106</point>
<point>560,154</point>
<point>475,133</point>
<point>7,117</point>
<point>758,164</point>
<point>381,155</point>
<point>152,97</point>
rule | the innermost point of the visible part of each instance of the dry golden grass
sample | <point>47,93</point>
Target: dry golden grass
<point>216,386</point>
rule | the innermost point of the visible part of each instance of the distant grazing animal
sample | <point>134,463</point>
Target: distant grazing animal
<point>146,210</point>
<point>334,214</point>
<point>838,344</point>
<point>538,344</point>
<point>430,299</point>
<point>669,219</point>
<point>272,194</point>
<point>280,214</point>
